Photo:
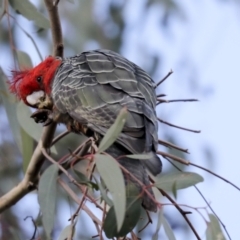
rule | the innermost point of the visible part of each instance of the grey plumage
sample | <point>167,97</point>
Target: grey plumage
<point>93,87</point>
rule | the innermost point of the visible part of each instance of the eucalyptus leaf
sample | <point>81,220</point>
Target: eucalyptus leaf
<point>114,131</point>
<point>168,230</point>
<point>214,230</point>
<point>27,151</point>
<point>112,176</point>
<point>66,232</point>
<point>29,126</point>
<point>27,123</point>
<point>132,216</point>
<point>29,11</point>
<point>177,180</point>
<point>15,233</point>
<point>82,179</point>
<point>144,156</point>
<point>24,60</point>
<point>10,107</point>
<point>159,224</point>
<point>47,194</point>
<point>104,195</point>
<point>174,189</point>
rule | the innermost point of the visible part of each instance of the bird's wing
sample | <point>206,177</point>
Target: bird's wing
<point>94,86</point>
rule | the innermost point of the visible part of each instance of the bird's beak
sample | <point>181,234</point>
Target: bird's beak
<point>34,98</point>
<point>45,102</point>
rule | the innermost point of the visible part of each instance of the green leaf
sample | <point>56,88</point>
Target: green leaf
<point>29,126</point>
<point>47,194</point>
<point>159,224</point>
<point>180,179</point>
<point>132,216</point>
<point>1,8</point>
<point>24,60</point>
<point>28,10</point>
<point>167,229</point>
<point>174,189</point>
<point>84,180</point>
<point>113,178</point>
<point>66,232</point>
<point>144,156</point>
<point>10,107</point>
<point>214,231</point>
<point>114,131</point>
<point>103,191</point>
<point>27,123</point>
<point>27,151</point>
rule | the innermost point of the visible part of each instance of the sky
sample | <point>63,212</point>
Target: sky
<point>208,43</point>
<point>209,37</point>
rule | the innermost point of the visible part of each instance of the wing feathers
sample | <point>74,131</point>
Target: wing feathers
<point>94,86</point>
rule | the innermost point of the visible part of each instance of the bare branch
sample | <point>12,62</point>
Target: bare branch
<point>161,81</point>
<point>55,27</point>
<point>205,200</point>
<point>216,175</point>
<point>75,198</point>
<point>171,145</point>
<point>173,157</point>
<point>172,125</point>
<point>183,213</point>
<point>160,100</point>
<point>30,179</point>
<point>60,136</point>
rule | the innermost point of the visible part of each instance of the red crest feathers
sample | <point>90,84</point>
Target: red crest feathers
<point>17,76</point>
<point>25,82</point>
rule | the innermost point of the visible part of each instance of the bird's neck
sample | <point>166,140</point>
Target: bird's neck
<point>50,75</point>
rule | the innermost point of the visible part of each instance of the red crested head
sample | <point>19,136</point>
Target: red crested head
<point>24,83</point>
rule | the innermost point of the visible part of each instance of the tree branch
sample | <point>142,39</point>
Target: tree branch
<point>183,213</point>
<point>30,179</point>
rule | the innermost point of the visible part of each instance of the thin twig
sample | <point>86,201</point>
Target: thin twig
<point>148,222</point>
<point>84,193</point>
<point>103,217</point>
<point>75,198</point>
<point>160,100</point>
<point>161,95</point>
<point>205,200</point>
<point>183,100</point>
<point>171,145</point>
<point>197,209</point>
<point>35,227</point>
<point>183,213</point>
<point>216,175</point>
<point>172,125</point>
<point>60,136</point>
<point>144,187</point>
<point>173,157</point>
<point>161,81</point>
<point>45,153</point>
<point>29,36</point>
<point>215,214</point>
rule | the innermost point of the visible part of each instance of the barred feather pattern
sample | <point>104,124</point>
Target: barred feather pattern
<point>93,87</point>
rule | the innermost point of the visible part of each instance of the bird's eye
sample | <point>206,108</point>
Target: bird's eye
<point>39,79</point>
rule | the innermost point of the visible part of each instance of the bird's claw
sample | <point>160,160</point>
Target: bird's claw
<point>43,116</point>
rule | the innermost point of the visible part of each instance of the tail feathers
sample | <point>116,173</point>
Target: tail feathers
<point>154,164</point>
<point>137,169</point>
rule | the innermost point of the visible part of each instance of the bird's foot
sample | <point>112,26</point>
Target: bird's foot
<point>43,116</point>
